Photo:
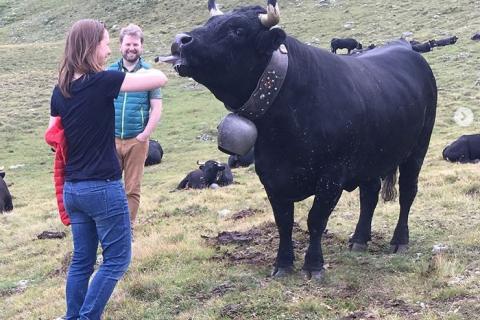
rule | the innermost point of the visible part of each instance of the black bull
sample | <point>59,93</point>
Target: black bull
<point>338,122</point>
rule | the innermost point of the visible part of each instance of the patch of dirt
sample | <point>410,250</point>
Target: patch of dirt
<point>402,308</point>
<point>360,315</point>
<point>473,192</point>
<point>245,213</point>
<point>218,291</point>
<point>465,307</point>
<point>222,289</point>
<point>51,235</point>
<point>346,291</point>
<point>231,311</point>
<point>379,244</point>
<point>11,291</point>
<point>258,246</point>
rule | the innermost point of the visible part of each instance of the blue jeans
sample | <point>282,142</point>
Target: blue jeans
<point>98,211</point>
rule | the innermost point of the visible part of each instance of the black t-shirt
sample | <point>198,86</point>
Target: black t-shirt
<point>88,118</point>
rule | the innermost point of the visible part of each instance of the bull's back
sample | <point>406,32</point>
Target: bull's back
<point>394,92</point>
<point>364,113</point>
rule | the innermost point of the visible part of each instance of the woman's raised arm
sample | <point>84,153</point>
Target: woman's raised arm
<point>143,80</point>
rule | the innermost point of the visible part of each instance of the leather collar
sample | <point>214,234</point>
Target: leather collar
<point>268,86</point>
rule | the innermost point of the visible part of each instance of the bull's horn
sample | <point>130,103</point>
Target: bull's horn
<point>272,17</point>
<point>212,8</point>
<point>200,163</point>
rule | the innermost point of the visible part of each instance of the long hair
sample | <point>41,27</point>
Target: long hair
<point>80,52</point>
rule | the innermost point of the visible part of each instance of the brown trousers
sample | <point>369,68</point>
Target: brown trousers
<point>132,154</point>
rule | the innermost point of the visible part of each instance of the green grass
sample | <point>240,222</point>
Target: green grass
<point>175,274</point>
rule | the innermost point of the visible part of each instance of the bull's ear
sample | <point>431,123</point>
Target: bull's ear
<point>270,40</point>
<point>2,174</point>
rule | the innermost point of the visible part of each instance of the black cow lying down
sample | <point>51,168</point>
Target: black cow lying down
<point>476,36</point>
<point>208,173</point>
<point>444,42</point>
<point>465,149</point>
<point>236,161</point>
<point>326,123</point>
<point>5,196</point>
<point>155,153</point>
<point>347,43</point>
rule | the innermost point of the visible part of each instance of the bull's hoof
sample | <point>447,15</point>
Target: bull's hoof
<point>317,276</point>
<point>281,272</point>
<point>358,247</point>
<point>398,248</point>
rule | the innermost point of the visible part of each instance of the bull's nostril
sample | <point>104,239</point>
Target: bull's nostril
<point>181,39</point>
<point>185,39</point>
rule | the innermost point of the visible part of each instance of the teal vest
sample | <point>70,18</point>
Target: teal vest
<point>132,109</point>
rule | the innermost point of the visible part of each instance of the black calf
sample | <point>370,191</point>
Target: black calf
<point>347,43</point>
<point>203,177</point>
<point>465,149</point>
<point>5,197</point>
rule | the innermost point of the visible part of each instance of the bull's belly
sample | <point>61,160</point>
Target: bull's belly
<point>297,182</point>
<point>293,184</point>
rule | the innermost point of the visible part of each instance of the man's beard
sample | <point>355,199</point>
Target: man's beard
<point>131,56</point>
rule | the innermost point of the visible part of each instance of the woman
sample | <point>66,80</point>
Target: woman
<point>93,192</point>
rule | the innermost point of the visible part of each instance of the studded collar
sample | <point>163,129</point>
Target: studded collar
<point>268,86</point>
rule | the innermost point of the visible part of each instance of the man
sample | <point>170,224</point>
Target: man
<point>136,117</point>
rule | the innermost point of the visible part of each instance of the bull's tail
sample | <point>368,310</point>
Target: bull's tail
<point>389,193</point>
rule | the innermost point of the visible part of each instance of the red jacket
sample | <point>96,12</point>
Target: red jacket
<point>55,137</point>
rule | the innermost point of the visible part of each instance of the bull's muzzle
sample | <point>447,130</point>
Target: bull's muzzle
<point>181,40</point>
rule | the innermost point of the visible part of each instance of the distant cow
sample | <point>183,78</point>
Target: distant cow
<point>465,149</point>
<point>422,47</point>
<point>155,153</point>
<point>444,42</point>
<point>5,197</point>
<point>225,177</point>
<point>203,177</point>
<point>476,36</point>
<point>235,161</point>
<point>347,43</point>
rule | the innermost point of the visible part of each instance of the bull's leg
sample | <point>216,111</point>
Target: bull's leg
<point>283,213</point>
<point>408,180</point>
<point>368,201</point>
<point>318,216</point>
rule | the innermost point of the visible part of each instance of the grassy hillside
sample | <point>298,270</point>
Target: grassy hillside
<point>178,274</point>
